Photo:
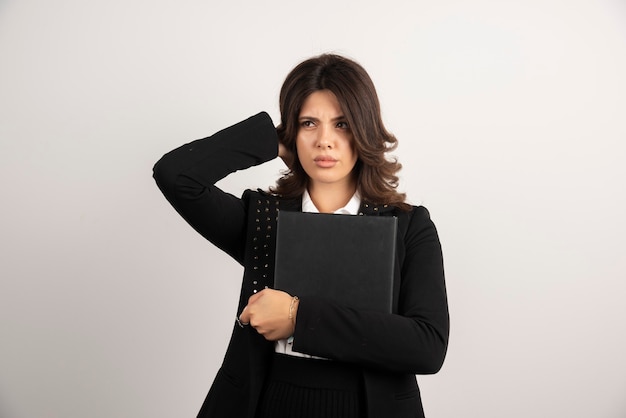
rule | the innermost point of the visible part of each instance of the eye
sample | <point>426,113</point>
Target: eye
<point>342,125</point>
<point>307,123</point>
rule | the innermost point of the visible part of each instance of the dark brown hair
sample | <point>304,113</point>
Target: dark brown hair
<point>349,82</point>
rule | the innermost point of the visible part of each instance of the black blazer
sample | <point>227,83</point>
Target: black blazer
<point>390,348</point>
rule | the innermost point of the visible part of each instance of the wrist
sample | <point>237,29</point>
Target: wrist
<point>293,309</point>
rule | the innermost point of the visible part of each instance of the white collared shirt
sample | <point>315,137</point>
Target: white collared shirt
<point>351,208</point>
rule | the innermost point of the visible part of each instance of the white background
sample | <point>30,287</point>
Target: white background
<point>511,119</point>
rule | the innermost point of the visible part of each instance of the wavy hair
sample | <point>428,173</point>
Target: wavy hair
<point>376,174</point>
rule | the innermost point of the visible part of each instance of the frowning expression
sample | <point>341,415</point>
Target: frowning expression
<point>324,142</point>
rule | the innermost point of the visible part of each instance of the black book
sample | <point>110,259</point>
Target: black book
<point>347,259</point>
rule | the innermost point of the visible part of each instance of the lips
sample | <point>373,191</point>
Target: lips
<point>324,158</point>
<point>325,161</point>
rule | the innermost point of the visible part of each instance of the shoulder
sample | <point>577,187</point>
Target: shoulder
<point>420,217</point>
<point>250,194</point>
<point>419,214</point>
<point>413,214</point>
<point>415,223</point>
<point>260,198</point>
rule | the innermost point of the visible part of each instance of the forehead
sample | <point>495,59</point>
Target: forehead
<point>321,103</point>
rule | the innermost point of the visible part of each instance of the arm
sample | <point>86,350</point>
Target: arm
<point>187,175</point>
<point>412,341</point>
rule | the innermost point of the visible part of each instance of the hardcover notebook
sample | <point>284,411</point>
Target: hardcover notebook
<point>348,259</point>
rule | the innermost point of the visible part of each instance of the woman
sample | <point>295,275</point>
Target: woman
<point>310,357</point>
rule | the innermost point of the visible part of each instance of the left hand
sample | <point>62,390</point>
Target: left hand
<point>268,313</point>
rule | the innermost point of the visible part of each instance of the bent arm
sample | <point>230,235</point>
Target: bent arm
<point>412,341</point>
<point>187,177</point>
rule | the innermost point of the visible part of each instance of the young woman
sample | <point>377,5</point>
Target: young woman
<point>310,357</point>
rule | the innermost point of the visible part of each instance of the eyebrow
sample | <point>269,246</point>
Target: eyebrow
<point>335,119</point>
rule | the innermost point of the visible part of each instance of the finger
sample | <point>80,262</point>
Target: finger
<point>244,316</point>
<point>254,297</point>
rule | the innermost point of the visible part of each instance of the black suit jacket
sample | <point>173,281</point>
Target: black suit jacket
<point>389,348</point>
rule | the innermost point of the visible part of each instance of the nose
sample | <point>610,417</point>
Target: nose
<point>324,139</point>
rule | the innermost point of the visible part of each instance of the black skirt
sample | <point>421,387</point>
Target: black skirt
<point>311,388</point>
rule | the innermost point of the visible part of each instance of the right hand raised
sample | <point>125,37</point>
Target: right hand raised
<point>285,154</point>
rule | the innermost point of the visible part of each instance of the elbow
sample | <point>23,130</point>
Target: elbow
<point>164,176</point>
<point>431,359</point>
<point>159,171</point>
<point>430,366</point>
<point>435,363</point>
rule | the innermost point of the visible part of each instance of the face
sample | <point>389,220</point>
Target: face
<point>324,142</point>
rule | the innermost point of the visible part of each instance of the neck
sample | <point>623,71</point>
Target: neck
<point>327,198</point>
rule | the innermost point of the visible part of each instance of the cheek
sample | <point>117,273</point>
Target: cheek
<point>305,142</point>
<point>300,150</point>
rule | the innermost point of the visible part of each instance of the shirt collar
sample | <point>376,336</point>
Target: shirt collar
<point>351,208</point>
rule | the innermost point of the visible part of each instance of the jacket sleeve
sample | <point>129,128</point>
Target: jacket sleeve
<point>412,341</point>
<point>187,177</point>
